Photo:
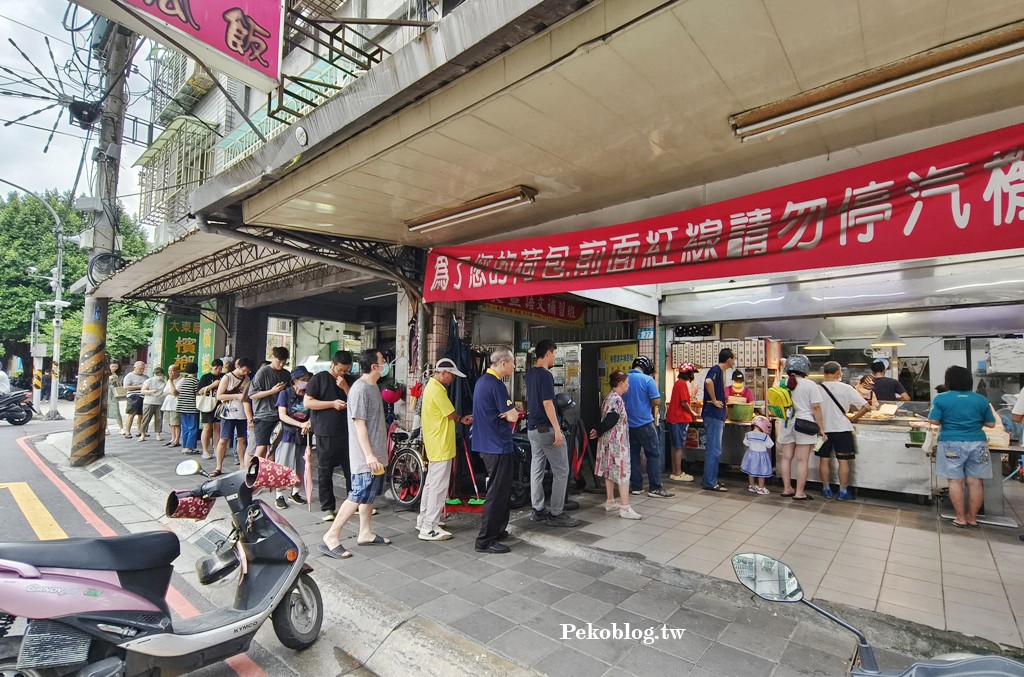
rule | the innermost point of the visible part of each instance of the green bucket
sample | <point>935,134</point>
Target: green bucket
<point>917,435</point>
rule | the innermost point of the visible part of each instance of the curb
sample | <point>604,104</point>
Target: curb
<point>367,629</point>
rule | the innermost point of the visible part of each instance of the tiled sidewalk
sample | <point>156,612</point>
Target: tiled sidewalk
<point>895,558</point>
<point>516,604</point>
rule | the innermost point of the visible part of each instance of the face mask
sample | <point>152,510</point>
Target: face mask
<point>301,385</point>
<point>385,370</point>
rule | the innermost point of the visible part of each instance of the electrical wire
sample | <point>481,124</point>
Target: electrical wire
<point>33,28</point>
<point>45,129</point>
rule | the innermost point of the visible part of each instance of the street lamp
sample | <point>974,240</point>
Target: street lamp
<point>58,304</point>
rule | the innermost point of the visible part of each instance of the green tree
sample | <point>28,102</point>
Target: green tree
<point>27,238</point>
<point>129,328</point>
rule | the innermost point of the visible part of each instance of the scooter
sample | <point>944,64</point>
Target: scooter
<point>98,607</point>
<point>16,407</point>
<point>772,580</point>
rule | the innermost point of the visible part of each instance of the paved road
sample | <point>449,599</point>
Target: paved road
<point>37,503</point>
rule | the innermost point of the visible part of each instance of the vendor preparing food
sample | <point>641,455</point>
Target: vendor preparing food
<point>887,389</point>
<point>738,389</point>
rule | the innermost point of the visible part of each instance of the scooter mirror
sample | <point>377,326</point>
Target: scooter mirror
<point>767,577</point>
<point>189,467</point>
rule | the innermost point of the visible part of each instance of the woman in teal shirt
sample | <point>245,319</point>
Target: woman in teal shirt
<point>962,454</point>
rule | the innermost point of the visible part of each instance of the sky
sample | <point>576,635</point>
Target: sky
<point>22,160</point>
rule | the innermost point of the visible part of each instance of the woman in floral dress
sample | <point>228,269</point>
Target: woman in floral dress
<point>613,447</point>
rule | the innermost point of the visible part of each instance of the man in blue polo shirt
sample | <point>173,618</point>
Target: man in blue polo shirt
<point>713,414</point>
<point>642,401</point>
<point>494,414</point>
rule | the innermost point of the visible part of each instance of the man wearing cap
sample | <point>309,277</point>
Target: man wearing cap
<point>437,420</point>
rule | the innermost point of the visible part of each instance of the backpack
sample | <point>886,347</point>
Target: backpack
<point>780,403</point>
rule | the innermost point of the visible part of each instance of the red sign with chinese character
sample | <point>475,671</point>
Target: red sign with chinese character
<point>546,308</point>
<point>242,38</point>
<point>958,198</point>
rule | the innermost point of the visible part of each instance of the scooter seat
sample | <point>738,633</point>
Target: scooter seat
<point>135,552</point>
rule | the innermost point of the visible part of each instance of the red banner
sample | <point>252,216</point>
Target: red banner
<point>958,198</point>
<point>546,308</point>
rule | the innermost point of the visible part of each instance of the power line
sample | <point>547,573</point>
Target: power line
<point>33,28</point>
<point>45,129</point>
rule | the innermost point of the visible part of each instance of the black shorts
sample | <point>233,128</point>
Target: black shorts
<point>134,405</point>
<point>264,430</point>
<point>843,444</point>
<point>207,417</point>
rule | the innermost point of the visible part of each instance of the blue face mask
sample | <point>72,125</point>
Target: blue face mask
<point>385,370</point>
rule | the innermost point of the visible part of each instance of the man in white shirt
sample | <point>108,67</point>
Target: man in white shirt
<point>1017,413</point>
<point>5,383</point>
<point>839,399</point>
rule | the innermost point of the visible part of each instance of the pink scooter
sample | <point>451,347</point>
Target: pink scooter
<point>98,608</point>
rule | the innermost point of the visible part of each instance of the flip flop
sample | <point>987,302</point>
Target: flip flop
<point>788,495</point>
<point>216,473</point>
<point>336,553</point>
<point>802,498</point>
<point>960,525</point>
<point>717,487</point>
<point>377,540</point>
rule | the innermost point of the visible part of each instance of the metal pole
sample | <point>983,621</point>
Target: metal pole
<point>53,415</point>
<point>37,362</point>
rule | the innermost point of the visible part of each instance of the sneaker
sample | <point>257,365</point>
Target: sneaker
<point>562,520</point>
<point>629,514</point>
<point>844,496</point>
<point>763,491</point>
<point>681,477</point>
<point>435,535</point>
<point>826,491</point>
<point>280,503</point>
<point>328,516</point>
<point>571,505</point>
<point>751,488</point>
<point>611,507</point>
<point>659,493</point>
<point>541,516</point>
<point>297,498</point>
<point>636,492</point>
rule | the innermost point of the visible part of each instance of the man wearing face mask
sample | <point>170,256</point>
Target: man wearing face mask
<point>326,399</point>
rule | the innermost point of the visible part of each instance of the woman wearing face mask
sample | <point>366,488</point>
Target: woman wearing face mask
<point>295,430</point>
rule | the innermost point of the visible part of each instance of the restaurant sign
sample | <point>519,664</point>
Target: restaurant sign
<point>181,339</point>
<point>957,198</point>
<point>241,38</point>
<point>546,309</point>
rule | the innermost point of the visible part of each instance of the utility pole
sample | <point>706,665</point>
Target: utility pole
<point>88,442</point>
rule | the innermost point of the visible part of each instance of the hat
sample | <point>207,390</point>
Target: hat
<point>445,364</point>
<point>300,372</point>
<point>737,376</point>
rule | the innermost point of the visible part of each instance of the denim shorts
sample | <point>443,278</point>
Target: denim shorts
<point>677,433</point>
<point>957,460</point>
<point>365,487</point>
<point>230,427</point>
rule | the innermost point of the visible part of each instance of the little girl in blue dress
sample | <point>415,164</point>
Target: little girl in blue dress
<point>756,461</point>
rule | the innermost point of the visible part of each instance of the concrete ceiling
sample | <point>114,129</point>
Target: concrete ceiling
<point>613,105</point>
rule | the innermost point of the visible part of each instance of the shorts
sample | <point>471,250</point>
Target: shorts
<point>677,434</point>
<point>957,460</point>
<point>264,430</point>
<point>787,434</point>
<point>207,417</point>
<point>365,487</point>
<point>172,418</point>
<point>134,405</point>
<point>229,427</point>
<point>844,444</point>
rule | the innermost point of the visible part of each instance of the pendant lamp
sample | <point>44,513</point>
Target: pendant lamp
<point>820,342</point>
<point>888,339</point>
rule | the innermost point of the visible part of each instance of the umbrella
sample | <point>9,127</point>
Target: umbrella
<point>307,473</point>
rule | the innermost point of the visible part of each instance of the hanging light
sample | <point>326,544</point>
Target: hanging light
<point>820,342</point>
<point>888,339</point>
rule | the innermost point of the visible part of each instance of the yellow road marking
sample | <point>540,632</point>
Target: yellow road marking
<point>39,518</point>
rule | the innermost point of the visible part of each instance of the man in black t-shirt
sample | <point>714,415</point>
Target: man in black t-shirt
<point>887,389</point>
<point>208,386</point>
<point>326,397</point>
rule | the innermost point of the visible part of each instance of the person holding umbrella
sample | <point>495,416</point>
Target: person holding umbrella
<point>437,418</point>
<point>295,428</point>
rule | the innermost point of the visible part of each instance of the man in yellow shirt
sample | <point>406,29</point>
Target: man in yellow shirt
<point>437,419</point>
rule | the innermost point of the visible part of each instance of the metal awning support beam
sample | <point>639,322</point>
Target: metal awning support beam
<point>205,226</point>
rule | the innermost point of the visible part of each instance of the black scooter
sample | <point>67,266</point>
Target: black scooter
<point>16,407</point>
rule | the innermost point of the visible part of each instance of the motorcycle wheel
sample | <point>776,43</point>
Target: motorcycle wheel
<point>69,396</point>
<point>19,417</point>
<point>8,668</point>
<point>297,619</point>
<point>405,475</point>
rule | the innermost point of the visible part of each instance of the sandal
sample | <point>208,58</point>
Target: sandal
<point>785,495</point>
<point>377,540</point>
<point>216,473</point>
<point>337,553</point>
<point>960,525</point>
<point>802,498</point>
<point>717,487</point>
